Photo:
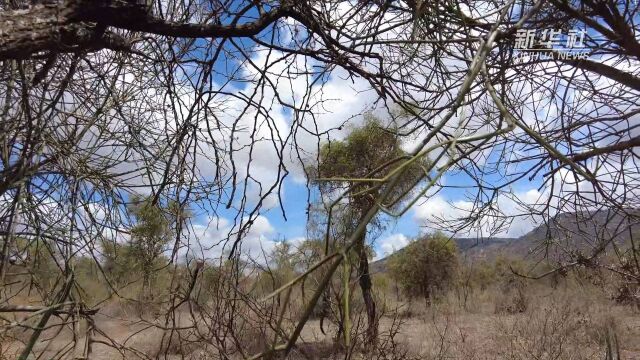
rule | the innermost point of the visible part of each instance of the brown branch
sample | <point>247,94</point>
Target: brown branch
<point>134,16</point>
<point>71,25</point>
<point>623,145</point>
<point>605,70</point>
<point>53,309</point>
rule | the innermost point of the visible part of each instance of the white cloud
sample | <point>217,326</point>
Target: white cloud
<point>506,219</point>
<point>213,240</point>
<point>391,244</point>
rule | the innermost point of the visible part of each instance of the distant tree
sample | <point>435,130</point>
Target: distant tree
<point>154,226</point>
<point>426,266</point>
<point>38,256</point>
<point>283,264</point>
<point>370,151</point>
<point>119,261</point>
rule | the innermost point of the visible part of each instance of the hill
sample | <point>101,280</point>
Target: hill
<point>584,231</point>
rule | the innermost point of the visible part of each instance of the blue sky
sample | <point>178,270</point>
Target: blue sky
<point>347,98</point>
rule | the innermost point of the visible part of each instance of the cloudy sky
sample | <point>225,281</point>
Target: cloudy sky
<point>337,99</point>
<point>343,99</point>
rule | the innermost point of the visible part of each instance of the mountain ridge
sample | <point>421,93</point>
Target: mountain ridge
<point>582,231</point>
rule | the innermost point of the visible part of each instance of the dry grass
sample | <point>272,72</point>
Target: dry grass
<point>527,321</point>
<point>556,324</point>
<point>564,323</point>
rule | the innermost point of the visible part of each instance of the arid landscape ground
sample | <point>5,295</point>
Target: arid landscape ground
<point>487,312</point>
<point>566,322</point>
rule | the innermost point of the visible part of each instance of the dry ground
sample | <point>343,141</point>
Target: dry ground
<point>557,324</point>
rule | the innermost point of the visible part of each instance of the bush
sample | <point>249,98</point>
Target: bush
<point>512,297</point>
<point>426,267</point>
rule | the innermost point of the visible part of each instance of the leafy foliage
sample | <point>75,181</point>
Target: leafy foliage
<point>120,261</point>
<point>153,228</point>
<point>426,266</point>
<point>151,232</point>
<point>369,151</point>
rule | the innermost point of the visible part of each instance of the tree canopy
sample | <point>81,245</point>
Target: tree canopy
<point>426,267</point>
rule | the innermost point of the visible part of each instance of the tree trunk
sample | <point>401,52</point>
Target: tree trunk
<point>427,297</point>
<point>61,27</point>
<point>70,26</point>
<point>365,286</point>
<point>147,280</point>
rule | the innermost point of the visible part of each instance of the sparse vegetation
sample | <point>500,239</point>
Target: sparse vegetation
<point>427,267</point>
<point>547,320</point>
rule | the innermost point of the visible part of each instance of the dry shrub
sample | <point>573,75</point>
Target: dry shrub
<point>600,326</point>
<point>253,339</point>
<point>543,334</point>
<point>388,346</point>
<point>410,309</point>
<point>559,327</point>
<point>17,334</point>
<point>512,297</point>
<point>316,350</point>
<point>627,289</point>
<point>6,350</point>
<point>606,327</point>
<point>146,342</point>
<point>177,343</point>
<point>119,308</point>
<point>627,293</point>
<point>157,343</point>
